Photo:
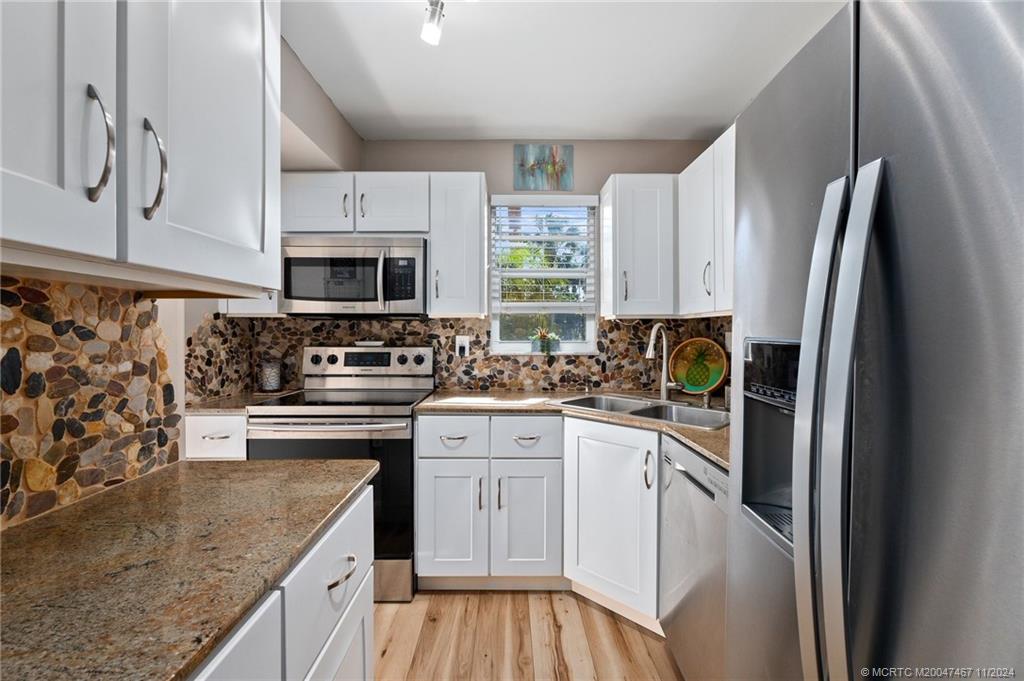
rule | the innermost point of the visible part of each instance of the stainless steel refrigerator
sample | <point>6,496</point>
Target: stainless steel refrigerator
<point>880,224</point>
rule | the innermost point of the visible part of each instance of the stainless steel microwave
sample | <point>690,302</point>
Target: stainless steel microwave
<point>324,274</point>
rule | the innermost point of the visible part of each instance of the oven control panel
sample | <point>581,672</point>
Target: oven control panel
<point>368,361</point>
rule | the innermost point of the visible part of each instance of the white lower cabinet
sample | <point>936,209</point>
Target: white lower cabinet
<point>526,518</point>
<point>611,511</point>
<point>488,516</point>
<point>451,517</point>
<point>348,654</point>
<point>253,651</point>
<point>215,436</point>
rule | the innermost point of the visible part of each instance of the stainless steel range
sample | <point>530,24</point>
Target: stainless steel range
<point>357,403</point>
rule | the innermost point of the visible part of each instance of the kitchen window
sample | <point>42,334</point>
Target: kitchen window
<point>543,272</point>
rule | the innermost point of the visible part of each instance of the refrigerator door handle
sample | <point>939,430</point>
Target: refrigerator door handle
<point>836,426</point>
<point>805,433</point>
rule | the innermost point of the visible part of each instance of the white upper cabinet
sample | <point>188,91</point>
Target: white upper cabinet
<point>392,202</point>
<point>318,202</point>
<point>611,511</point>
<point>638,228</point>
<point>458,208</point>
<point>707,216</point>
<point>725,217</point>
<point>59,107</point>
<point>697,235</point>
<point>199,161</point>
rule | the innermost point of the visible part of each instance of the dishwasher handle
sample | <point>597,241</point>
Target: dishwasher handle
<point>697,483</point>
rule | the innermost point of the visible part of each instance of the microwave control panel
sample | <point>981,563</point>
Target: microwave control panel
<point>401,278</point>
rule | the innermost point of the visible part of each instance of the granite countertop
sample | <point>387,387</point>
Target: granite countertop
<point>143,581</point>
<point>713,444</point>
<point>232,404</point>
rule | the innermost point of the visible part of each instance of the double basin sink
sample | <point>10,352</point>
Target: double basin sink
<point>680,414</point>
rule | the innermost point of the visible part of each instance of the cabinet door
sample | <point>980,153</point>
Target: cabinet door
<point>456,251</point>
<point>348,653</point>
<point>253,651</point>
<point>213,109</point>
<point>611,511</point>
<point>318,202</point>
<point>644,245</point>
<point>526,517</point>
<point>55,136</point>
<point>725,217</point>
<point>392,202</point>
<point>451,517</point>
<point>697,235</point>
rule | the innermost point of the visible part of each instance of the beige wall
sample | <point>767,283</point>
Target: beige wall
<point>593,160</point>
<point>313,123</point>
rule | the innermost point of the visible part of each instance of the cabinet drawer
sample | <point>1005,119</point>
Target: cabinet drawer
<point>252,651</point>
<point>526,437</point>
<point>348,653</point>
<point>453,436</point>
<point>215,437</point>
<point>311,611</point>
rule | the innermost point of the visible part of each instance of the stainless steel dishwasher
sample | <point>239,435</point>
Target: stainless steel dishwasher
<point>691,593</point>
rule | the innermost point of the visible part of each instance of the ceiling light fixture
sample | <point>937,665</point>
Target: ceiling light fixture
<point>431,33</point>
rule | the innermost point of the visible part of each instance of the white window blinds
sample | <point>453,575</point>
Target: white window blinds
<point>543,257</point>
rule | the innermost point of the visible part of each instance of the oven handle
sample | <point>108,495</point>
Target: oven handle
<point>380,280</point>
<point>329,427</point>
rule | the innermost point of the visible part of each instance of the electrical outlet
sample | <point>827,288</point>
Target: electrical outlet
<point>462,346</point>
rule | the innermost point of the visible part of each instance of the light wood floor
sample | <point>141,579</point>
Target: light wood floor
<point>504,635</point>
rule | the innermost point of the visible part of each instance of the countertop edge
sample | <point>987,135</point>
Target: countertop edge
<point>213,642</point>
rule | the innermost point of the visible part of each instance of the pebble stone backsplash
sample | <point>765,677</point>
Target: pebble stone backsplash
<point>618,365</point>
<point>87,399</point>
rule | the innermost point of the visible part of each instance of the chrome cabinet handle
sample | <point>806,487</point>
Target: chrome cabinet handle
<point>480,493</point>
<point>805,431</point>
<point>704,278</point>
<point>344,205</point>
<point>835,419</point>
<point>150,210</point>
<point>351,558</point>
<point>499,493</point>
<point>525,438</point>
<point>380,280</point>
<point>362,205</point>
<point>217,437</point>
<point>454,438</point>
<point>625,281</point>
<point>437,288</point>
<point>647,465</point>
<point>96,190</point>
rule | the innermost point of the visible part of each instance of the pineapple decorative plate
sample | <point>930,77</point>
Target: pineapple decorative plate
<point>698,365</point>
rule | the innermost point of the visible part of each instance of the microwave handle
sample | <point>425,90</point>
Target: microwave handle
<point>380,280</point>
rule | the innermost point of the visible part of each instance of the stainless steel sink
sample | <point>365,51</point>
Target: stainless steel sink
<point>606,403</point>
<point>695,417</point>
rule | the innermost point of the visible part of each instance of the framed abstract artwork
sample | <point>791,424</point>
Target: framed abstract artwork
<point>543,167</point>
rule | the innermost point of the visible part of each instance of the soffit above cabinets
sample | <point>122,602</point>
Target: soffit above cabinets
<point>548,70</point>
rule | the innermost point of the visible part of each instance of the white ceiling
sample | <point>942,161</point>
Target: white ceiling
<point>548,70</point>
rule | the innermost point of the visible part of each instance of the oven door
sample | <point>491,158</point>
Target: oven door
<point>334,280</point>
<point>388,441</point>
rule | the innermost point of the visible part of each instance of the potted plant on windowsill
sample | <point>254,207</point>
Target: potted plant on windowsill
<point>544,341</point>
